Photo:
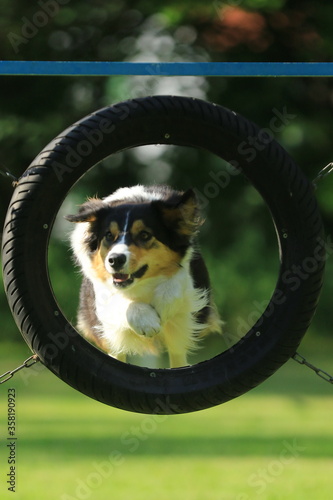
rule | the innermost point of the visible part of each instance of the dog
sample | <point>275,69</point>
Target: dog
<point>145,286</point>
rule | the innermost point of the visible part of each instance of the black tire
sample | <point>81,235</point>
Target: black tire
<point>162,120</point>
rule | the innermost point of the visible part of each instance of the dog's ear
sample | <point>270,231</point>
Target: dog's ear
<point>182,213</point>
<point>88,212</point>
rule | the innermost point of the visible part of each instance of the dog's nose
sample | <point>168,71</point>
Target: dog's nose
<point>117,260</point>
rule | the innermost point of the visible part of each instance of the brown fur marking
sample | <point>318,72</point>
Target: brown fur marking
<point>98,264</point>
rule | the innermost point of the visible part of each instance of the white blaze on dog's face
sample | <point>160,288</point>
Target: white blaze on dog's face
<point>130,250</point>
<point>130,242</point>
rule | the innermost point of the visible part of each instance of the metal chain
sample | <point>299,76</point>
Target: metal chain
<point>302,361</point>
<point>27,363</point>
<point>6,173</point>
<point>324,172</point>
<point>297,357</point>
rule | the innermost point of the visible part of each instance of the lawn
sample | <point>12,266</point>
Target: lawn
<point>275,442</point>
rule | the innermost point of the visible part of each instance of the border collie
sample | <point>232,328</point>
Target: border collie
<point>145,286</point>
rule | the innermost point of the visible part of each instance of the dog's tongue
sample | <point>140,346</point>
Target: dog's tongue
<point>120,278</point>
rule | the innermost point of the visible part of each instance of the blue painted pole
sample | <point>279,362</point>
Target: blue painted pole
<point>106,68</point>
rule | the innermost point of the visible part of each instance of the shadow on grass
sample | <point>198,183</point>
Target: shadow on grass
<point>137,443</point>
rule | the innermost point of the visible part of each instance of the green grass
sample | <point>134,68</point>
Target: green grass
<point>275,442</point>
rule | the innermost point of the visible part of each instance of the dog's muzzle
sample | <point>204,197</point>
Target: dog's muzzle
<point>117,261</point>
<point>121,279</point>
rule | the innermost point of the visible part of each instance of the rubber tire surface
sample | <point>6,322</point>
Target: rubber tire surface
<point>162,120</point>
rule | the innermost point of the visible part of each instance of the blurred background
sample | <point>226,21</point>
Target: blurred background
<point>237,240</point>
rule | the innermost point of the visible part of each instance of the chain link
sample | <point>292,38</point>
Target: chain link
<point>324,172</point>
<point>6,173</point>
<point>297,357</point>
<point>302,361</point>
<point>27,363</point>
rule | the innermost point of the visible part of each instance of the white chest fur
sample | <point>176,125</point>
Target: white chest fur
<point>153,314</point>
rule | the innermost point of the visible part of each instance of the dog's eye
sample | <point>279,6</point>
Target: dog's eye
<point>109,236</point>
<point>144,236</point>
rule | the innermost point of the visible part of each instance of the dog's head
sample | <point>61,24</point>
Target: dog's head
<point>135,238</point>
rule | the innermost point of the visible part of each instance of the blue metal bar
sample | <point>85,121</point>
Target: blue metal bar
<point>106,68</point>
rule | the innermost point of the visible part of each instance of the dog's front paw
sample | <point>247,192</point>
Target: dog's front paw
<point>143,319</point>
